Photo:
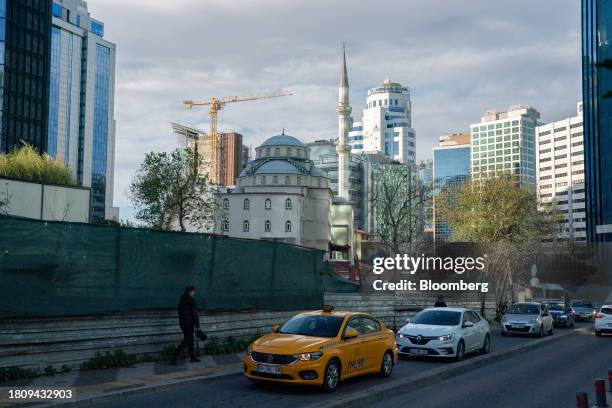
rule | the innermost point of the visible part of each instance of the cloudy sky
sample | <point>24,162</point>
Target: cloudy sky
<point>459,57</point>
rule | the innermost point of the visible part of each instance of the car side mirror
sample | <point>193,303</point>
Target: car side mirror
<point>468,324</point>
<point>275,328</point>
<point>350,333</point>
<point>408,320</point>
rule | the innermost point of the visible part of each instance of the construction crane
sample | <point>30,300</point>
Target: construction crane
<point>216,104</point>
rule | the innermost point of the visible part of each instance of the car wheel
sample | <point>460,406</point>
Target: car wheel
<point>486,345</point>
<point>460,351</point>
<point>597,333</point>
<point>332,376</point>
<point>386,367</point>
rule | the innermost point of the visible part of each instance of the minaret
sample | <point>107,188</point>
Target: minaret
<point>344,126</point>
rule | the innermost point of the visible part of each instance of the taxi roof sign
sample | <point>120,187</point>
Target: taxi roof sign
<point>327,308</point>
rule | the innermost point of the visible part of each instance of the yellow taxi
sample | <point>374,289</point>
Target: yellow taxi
<point>322,348</point>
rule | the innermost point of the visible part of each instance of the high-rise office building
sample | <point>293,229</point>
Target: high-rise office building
<point>560,172</point>
<point>596,88</point>
<point>386,126</point>
<point>81,102</point>
<point>505,141</point>
<point>25,29</point>
<point>451,168</point>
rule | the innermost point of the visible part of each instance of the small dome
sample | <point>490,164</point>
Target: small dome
<point>277,167</point>
<point>282,140</point>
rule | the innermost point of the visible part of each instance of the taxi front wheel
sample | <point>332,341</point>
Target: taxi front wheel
<point>386,367</point>
<point>332,376</point>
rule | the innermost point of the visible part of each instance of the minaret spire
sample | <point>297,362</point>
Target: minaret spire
<point>344,126</point>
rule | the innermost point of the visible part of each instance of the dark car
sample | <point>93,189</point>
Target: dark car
<point>562,314</point>
<point>583,310</point>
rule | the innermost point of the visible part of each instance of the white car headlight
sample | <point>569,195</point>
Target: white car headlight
<point>309,356</point>
<point>534,321</point>
<point>447,337</point>
<point>400,335</point>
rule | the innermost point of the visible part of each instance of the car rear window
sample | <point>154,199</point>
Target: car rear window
<point>580,303</point>
<point>606,310</point>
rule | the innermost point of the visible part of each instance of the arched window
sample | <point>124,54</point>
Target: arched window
<point>247,204</point>
<point>274,179</point>
<point>299,181</point>
<point>319,182</point>
<point>268,205</point>
<point>263,179</point>
<point>268,226</point>
<point>277,151</point>
<point>288,226</point>
<point>268,152</point>
<point>245,226</point>
<point>289,152</point>
<point>225,204</point>
<point>225,225</point>
<point>288,204</point>
<point>287,180</point>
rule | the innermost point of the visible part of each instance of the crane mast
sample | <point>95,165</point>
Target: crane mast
<point>215,105</point>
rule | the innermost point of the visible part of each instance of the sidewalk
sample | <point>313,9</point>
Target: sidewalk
<point>112,384</point>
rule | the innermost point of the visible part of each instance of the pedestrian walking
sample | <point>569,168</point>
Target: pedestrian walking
<point>189,321</point>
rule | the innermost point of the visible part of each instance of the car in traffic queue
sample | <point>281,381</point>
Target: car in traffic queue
<point>532,318</point>
<point>583,310</point>
<point>322,348</point>
<point>561,313</point>
<point>444,332</point>
<point>603,320</point>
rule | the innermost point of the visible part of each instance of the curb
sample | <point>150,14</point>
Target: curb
<point>113,396</point>
<point>378,393</point>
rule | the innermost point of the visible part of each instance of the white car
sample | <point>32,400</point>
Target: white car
<point>603,320</point>
<point>444,332</point>
<point>531,318</point>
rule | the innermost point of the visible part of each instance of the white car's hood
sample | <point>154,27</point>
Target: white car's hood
<point>427,330</point>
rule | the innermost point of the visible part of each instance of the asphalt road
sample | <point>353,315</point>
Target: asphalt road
<point>552,373</point>
<point>541,378</point>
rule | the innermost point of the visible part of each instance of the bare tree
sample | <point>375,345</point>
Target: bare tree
<point>399,201</point>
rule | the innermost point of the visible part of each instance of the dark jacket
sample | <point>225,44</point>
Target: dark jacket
<point>188,311</point>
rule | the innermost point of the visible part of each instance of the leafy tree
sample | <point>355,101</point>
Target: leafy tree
<point>26,164</point>
<point>167,190</point>
<point>398,200</point>
<point>503,216</point>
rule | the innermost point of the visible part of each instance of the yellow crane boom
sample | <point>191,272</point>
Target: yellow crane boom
<point>216,104</point>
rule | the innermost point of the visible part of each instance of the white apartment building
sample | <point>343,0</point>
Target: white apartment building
<point>386,126</point>
<point>81,102</point>
<point>505,141</point>
<point>560,172</point>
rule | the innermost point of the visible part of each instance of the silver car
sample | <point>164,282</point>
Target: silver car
<point>583,310</point>
<point>530,318</point>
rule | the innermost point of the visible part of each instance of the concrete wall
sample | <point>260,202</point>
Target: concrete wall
<point>43,201</point>
<point>55,341</point>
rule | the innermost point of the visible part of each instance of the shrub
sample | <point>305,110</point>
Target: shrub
<point>16,373</point>
<point>26,164</point>
<point>118,358</point>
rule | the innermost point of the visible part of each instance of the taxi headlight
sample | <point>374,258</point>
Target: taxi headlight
<point>309,356</point>
<point>448,337</point>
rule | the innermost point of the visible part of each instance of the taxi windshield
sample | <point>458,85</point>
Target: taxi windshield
<point>556,306</point>
<point>313,325</point>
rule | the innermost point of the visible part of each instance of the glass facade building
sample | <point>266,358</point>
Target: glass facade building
<point>451,168</point>
<point>597,111</point>
<point>81,92</point>
<point>25,37</point>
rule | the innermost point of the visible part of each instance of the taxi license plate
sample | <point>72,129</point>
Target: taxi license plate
<point>268,369</point>
<point>518,326</point>
<point>418,351</point>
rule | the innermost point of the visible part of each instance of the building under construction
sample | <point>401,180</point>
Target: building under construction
<point>232,158</point>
